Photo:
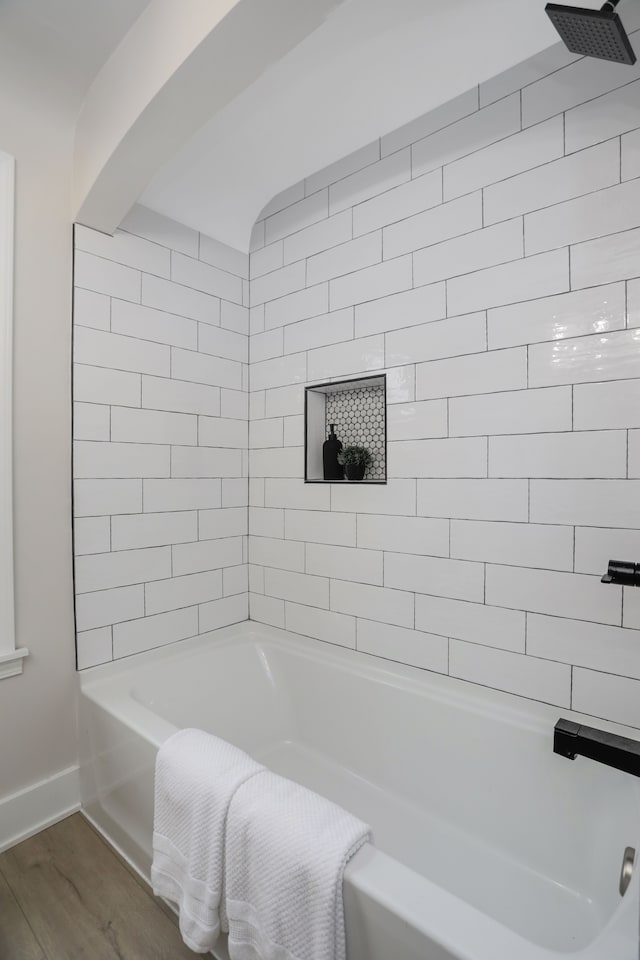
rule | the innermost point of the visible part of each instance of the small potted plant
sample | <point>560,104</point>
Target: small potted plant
<point>355,461</point>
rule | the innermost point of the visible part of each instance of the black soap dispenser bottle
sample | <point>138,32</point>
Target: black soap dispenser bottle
<point>330,450</point>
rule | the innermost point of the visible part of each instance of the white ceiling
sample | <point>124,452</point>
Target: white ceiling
<point>372,66</point>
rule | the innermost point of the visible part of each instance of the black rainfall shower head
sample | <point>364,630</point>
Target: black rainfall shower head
<point>592,33</point>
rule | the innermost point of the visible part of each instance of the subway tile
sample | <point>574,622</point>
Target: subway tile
<point>235,580</point>
<point>222,613</point>
<point>179,592</point>
<point>595,546</point>
<point>180,396</point>
<point>296,216</point>
<point>473,251</point>
<point>318,526</point>
<point>97,498</point>
<point>630,146</point>
<point>407,309</point>
<point>601,118</point>
<point>294,431</point>
<point>401,384</point>
<point>525,73</point>
<point>234,404</point>
<point>344,563</point>
<point>105,276</point>
<point>319,331</point>
<point>606,259</point>
<point>588,454</point>
<point>633,303</point>
<point>151,632</point>
<point>296,496</point>
<point>412,647</point>
<point>589,503</point>
<point>176,298</point>
<point>373,603</point>
<point>280,401</point>
<point>91,535</point>
<point>317,237</point>
<point>381,280</point>
<point>398,204</point>
<point>91,309</point>
<point>511,672</point>
<point>266,522</point>
<point>265,346</point>
<point>226,522</point>
<point>222,432</point>
<point>235,492</point>
<point>507,158</point>
<point>256,579</point>
<point>269,552</point>
<point>278,283</point>
<point>103,460</point>
<point>395,497</point>
<point>446,578</point>
<point>585,218</point>
<point>607,406</point>
<point>266,433</point>
<point>100,349</point>
<point>171,495</point>
<point>438,458</point>
<point>467,135</point>
<point>346,258</point>
<point>356,356</point>
<point>285,462</point>
<point>94,647</point>
<point>301,305</point>
<point>634,453</point>
<point>100,385</point>
<point>321,624</point>
<point>91,421</point>
<point>416,535</point>
<point>540,276</point>
<point>526,411</point>
<point>280,371</point>
<point>433,226</point>
<point>153,426</point>
<point>372,180</point>
<point>153,529</point>
<point>257,405</point>
<point>474,499</point>
<point>146,323</point>
<point>437,340</point>
<point>234,317</point>
<point>554,593</point>
<point>223,256</point>
<point>602,356</point>
<point>343,168</point>
<point>631,609</point>
<point>477,373</point>
<point>266,610</point>
<point>473,622</point>
<point>513,544</point>
<point>104,607</point>
<point>595,310</point>
<point>590,645</point>
<point>256,492</point>
<point>551,184</point>
<point>105,570</point>
<point>202,462</point>
<point>604,695</point>
<point>223,343</point>
<point>417,420</point>
<point>299,587</point>
<point>144,222</point>
<point>202,368</point>
<point>428,123</point>
<point>206,555</point>
<point>206,278</point>
<point>124,248</point>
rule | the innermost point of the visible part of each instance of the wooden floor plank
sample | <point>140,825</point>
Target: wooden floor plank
<point>81,902</point>
<point>17,939</point>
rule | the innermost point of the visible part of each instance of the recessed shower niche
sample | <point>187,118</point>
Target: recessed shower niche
<point>358,411</point>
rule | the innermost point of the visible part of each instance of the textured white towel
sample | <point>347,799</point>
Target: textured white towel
<point>196,777</point>
<point>286,851</point>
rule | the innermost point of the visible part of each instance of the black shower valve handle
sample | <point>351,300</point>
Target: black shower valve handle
<point>623,572</point>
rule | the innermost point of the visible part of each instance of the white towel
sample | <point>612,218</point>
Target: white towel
<point>286,852</point>
<point>196,777</point>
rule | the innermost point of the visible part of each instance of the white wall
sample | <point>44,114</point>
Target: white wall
<point>160,436</point>
<point>488,264</point>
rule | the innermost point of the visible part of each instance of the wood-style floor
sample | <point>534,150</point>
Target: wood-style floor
<point>65,895</point>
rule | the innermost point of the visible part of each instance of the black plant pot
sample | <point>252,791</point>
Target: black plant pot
<point>355,471</point>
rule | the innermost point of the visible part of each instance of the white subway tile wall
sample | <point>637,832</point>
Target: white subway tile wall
<point>160,436</point>
<point>487,258</point>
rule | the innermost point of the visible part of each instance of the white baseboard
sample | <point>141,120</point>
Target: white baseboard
<point>37,807</point>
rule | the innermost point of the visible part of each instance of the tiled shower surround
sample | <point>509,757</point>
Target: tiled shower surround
<point>487,257</point>
<point>160,437</point>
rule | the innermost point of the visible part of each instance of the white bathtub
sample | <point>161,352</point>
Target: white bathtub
<point>487,845</point>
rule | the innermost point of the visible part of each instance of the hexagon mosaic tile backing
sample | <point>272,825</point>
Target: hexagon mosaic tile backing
<point>359,418</point>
